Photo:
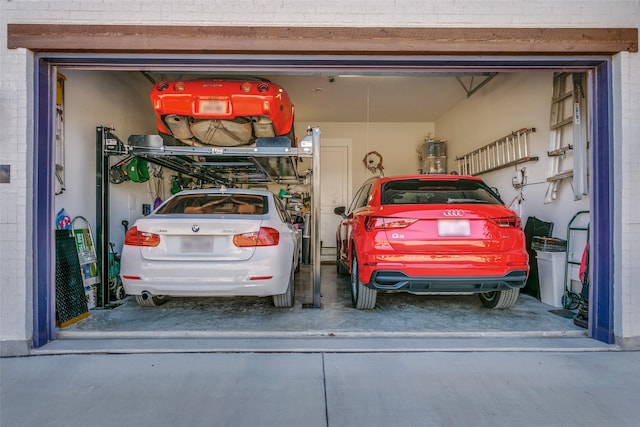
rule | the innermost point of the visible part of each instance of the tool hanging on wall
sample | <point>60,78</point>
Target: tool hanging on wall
<point>117,173</point>
<point>59,152</point>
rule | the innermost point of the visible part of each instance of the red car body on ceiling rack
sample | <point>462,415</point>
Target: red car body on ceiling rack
<point>228,111</point>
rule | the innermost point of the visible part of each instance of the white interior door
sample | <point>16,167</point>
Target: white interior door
<point>335,190</point>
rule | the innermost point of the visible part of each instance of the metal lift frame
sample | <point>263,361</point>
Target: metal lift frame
<point>108,144</point>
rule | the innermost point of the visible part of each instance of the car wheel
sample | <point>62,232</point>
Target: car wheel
<point>500,299</point>
<point>286,299</point>
<point>151,301</point>
<point>340,269</point>
<point>362,298</point>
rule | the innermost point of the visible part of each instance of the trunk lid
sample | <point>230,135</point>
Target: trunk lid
<point>197,238</point>
<point>447,229</point>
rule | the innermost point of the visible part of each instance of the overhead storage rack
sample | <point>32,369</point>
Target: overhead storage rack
<point>270,160</point>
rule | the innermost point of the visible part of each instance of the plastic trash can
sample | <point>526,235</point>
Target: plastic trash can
<point>551,275</point>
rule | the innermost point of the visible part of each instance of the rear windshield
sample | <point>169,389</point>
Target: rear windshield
<point>198,204</point>
<point>416,191</point>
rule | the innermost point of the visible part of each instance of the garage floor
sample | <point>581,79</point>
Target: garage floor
<point>395,315</point>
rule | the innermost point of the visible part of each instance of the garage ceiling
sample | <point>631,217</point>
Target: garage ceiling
<point>370,98</point>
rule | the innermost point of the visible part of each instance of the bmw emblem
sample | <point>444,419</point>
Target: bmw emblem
<point>195,228</point>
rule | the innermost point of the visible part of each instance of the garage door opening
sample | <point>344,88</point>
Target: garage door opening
<point>368,134</point>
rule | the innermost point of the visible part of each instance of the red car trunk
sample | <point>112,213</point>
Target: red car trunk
<point>440,229</point>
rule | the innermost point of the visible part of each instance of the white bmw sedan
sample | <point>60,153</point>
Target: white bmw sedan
<point>212,242</point>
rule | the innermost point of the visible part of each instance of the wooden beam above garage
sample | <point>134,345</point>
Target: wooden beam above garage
<point>321,40</point>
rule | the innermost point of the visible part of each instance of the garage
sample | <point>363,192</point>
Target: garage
<point>500,78</point>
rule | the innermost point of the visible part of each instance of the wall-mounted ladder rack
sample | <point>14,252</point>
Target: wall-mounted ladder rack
<point>509,150</point>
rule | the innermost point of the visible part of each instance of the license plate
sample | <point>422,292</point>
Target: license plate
<point>454,228</point>
<point>192,245</point>
<point>213,106</point>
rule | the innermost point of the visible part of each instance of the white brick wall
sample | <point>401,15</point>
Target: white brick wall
<point>628,296</point>
<point>15,286</point>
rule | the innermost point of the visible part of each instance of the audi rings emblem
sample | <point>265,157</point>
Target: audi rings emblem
<point>195,228</point>
<point>453,213</point>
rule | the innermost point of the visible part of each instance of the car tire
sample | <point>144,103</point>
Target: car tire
<point>500,299</point>
<point>152,301</point>
<point>340,268</point>
<point>287,299</point>
<point>362,298</point>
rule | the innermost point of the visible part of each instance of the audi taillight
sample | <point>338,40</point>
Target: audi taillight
<point>135,237</point>
<point>379,223</point>
<point>266,236</point>
<point>509,221</point>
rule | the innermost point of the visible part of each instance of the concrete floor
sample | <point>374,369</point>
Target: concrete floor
<point>395,315</point>
<point>492,389</point>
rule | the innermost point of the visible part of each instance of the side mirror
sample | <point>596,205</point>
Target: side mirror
<point>340,210</point>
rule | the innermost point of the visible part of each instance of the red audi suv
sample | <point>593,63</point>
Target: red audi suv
<point>431,234</point>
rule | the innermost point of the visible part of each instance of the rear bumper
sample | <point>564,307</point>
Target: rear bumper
<point>397,281</point>
<point>275,286</point>
<point>256,277</point>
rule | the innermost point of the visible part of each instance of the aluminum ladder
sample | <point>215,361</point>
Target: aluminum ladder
<point>567,123</point>
<point>509,150</point>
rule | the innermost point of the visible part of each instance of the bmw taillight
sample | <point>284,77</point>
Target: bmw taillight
<point>509,221</point>
<point>135,237</point>
<point>266,236</point>
<point>380,223</point>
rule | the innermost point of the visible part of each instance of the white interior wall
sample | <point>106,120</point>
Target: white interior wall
<point>397,143</point>
<point>510,102</point>
<point>507,103</point>
<point>121,100</point>
<point>103,98</point>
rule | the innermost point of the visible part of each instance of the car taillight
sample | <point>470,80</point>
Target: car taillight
<point>378,223</point>
<point>179,86</point>
<point>134,237</point>
<point>245,87</point>
<point>509,221</point>
<point>264,237</point>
